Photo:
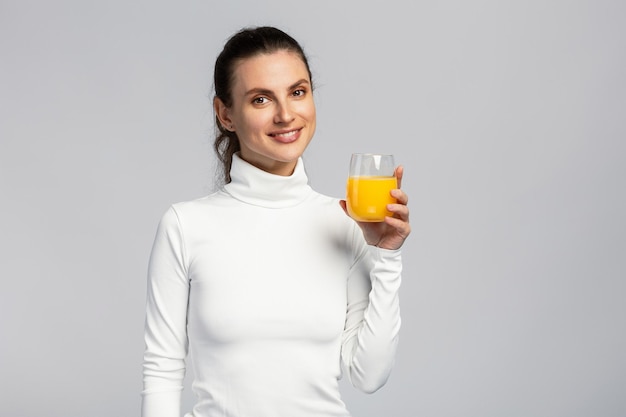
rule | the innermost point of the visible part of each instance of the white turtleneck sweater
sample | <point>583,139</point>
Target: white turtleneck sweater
<point>270,287</point>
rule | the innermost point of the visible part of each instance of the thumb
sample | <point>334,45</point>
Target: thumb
<point>343,205</point>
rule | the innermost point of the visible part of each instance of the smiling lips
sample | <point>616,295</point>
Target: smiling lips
<point>287,136</point>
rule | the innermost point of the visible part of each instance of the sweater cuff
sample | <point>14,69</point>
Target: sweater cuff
<point>161,404</point>
<point>387,266</point>
<point>391,256</point>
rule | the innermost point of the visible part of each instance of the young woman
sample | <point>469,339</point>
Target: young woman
<point>269,286</point>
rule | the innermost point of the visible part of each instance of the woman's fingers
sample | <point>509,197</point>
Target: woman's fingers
<point>400,219</point>
<point>402,228</point>
<point>400,196</point>
<point>400,211</point>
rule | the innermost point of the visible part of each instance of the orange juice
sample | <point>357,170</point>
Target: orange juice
<point>367,197</point>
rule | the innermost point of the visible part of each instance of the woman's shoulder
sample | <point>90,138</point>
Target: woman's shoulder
<point>332,212</point>
<point>201,203</point>
<point>324,201</point>
<point>189,209</point>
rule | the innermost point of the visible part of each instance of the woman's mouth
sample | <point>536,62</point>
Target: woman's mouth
<point>286,136</point>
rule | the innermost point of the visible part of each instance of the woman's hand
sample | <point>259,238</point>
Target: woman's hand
<point>391,233</point>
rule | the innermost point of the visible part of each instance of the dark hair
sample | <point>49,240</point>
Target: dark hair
<point>246,43</point>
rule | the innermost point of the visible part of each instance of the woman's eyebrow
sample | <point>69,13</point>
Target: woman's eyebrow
<point>259,91</point>
<point>265,91</point>
<point>297,83</point>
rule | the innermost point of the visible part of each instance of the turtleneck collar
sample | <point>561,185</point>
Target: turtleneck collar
<point>255,186</point>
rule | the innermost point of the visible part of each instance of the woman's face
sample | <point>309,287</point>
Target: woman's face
<point>272,111</point>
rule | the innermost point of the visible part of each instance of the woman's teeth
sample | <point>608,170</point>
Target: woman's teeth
<point>286,134</point>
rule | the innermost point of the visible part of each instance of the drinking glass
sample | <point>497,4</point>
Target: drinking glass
<point>370,181</point>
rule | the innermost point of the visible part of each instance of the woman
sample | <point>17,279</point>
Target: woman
<point>268,285</point>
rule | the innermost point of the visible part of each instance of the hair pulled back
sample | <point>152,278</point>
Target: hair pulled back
<point>246,43</point>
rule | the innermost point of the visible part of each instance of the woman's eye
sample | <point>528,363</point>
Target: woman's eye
<point>260,100</point>
<point>299,93</point>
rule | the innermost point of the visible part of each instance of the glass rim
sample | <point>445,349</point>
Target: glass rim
<point>372,154</point>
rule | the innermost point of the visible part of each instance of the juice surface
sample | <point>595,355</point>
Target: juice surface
<point>367,197</point>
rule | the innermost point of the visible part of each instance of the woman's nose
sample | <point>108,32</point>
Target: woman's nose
<point>283,113</point>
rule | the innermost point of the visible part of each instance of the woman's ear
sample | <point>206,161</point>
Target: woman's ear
<point>223,115</point>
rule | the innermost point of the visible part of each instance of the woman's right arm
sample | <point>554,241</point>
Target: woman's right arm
<point>166,321</point>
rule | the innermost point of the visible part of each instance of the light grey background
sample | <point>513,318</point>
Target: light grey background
<point>508,116</point>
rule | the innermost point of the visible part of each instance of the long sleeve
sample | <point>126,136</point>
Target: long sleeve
<point>373,318</point>
<point>166,322</point>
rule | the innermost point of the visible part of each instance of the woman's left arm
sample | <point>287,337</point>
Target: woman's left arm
<point>373,313</point>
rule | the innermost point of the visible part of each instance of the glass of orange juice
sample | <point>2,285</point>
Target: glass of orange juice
<point>370,182</point>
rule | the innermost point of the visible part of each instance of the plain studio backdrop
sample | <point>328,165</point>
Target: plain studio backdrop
<point>509,117</point>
